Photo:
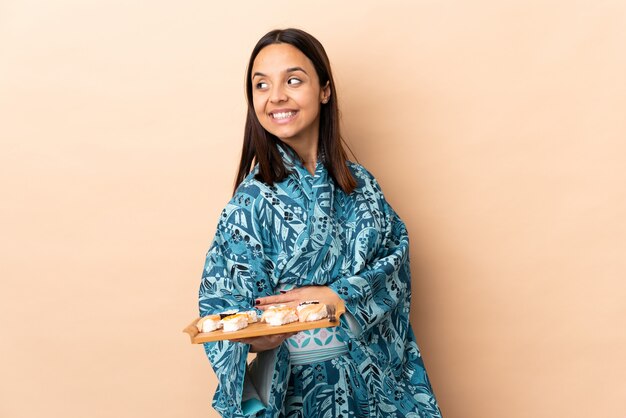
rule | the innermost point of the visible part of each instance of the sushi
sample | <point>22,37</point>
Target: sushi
<point>228,313</point>
<point>311,311</point>
<point>235,322</point>
<point>279,315</point>
<point>252,317</point>
<point>209,323</point>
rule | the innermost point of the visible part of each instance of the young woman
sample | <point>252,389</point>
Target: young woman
<point>306,224</point>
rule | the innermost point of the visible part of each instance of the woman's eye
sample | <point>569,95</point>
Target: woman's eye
<point>294,81</point>
<point>262,85</point>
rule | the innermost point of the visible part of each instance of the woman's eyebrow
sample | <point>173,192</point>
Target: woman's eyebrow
<point>294,69</point>
<point>288,70</point>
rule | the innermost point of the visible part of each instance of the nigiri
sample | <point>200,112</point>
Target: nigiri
<point>235,322</point>
<point>279,315</point>
<point>311,311</point>
<point>209,323</point>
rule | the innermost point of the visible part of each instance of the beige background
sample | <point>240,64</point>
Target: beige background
<point>496,128</point>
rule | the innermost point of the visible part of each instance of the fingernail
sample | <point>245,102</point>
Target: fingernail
<point>282,291</point>
<point>257,302</point>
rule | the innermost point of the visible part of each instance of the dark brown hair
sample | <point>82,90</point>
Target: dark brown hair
<point>261,146</point>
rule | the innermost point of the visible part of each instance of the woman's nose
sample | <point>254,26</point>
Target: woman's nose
<point>278,95</point>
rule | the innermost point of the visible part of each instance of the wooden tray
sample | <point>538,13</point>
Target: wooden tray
<point>258,329</point>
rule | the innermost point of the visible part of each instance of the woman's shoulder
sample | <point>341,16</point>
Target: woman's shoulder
<point>368,189</point>
<point>365,180</point>
<point>239,218</point>
<point>249,191</point>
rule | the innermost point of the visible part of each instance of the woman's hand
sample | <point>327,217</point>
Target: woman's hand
<point>323,294</point>
<point>264,343</point>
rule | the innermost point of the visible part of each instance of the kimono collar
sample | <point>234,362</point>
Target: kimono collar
<point>294,163</point>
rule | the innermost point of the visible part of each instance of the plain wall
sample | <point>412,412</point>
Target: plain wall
<point>496,128</point>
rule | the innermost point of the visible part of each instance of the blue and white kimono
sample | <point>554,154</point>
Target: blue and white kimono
<point>306,231</point>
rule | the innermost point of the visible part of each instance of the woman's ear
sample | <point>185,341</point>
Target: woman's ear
<point>325,93</point>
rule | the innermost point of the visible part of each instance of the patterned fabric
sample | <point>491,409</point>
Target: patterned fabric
<point>314,343</point>
<point>306,231</point>
<point>333,388</point>
<point>315,339</point>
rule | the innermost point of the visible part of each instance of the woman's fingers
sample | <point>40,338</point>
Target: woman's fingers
<point>273,337</point>
<point>322,293</point>
<point>263,343</point>
<point>266,301</point>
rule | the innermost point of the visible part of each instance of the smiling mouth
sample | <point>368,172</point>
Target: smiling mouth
<point>283,115</point>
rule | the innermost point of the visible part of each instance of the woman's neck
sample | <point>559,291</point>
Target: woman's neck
<point>310,166</point>
<point>307,151</point>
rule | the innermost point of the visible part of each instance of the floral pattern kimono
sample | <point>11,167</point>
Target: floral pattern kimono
<point>306,231</point>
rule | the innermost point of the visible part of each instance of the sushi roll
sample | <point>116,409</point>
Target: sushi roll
<point>279,315</point>
<point>311,311</point>
<point>209,323</point>
<point>235,322</point>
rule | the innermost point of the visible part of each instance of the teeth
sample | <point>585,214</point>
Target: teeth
<point>283,115</point>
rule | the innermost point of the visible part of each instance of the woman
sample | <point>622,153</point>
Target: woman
<point>306,224</point>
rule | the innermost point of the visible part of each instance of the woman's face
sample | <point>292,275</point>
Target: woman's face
<point>287,95</point>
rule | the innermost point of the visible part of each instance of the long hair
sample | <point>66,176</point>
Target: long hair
<point>261,146</point>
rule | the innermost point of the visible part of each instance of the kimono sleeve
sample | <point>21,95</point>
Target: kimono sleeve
<point>385,282</point>
<point>234,275</point>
